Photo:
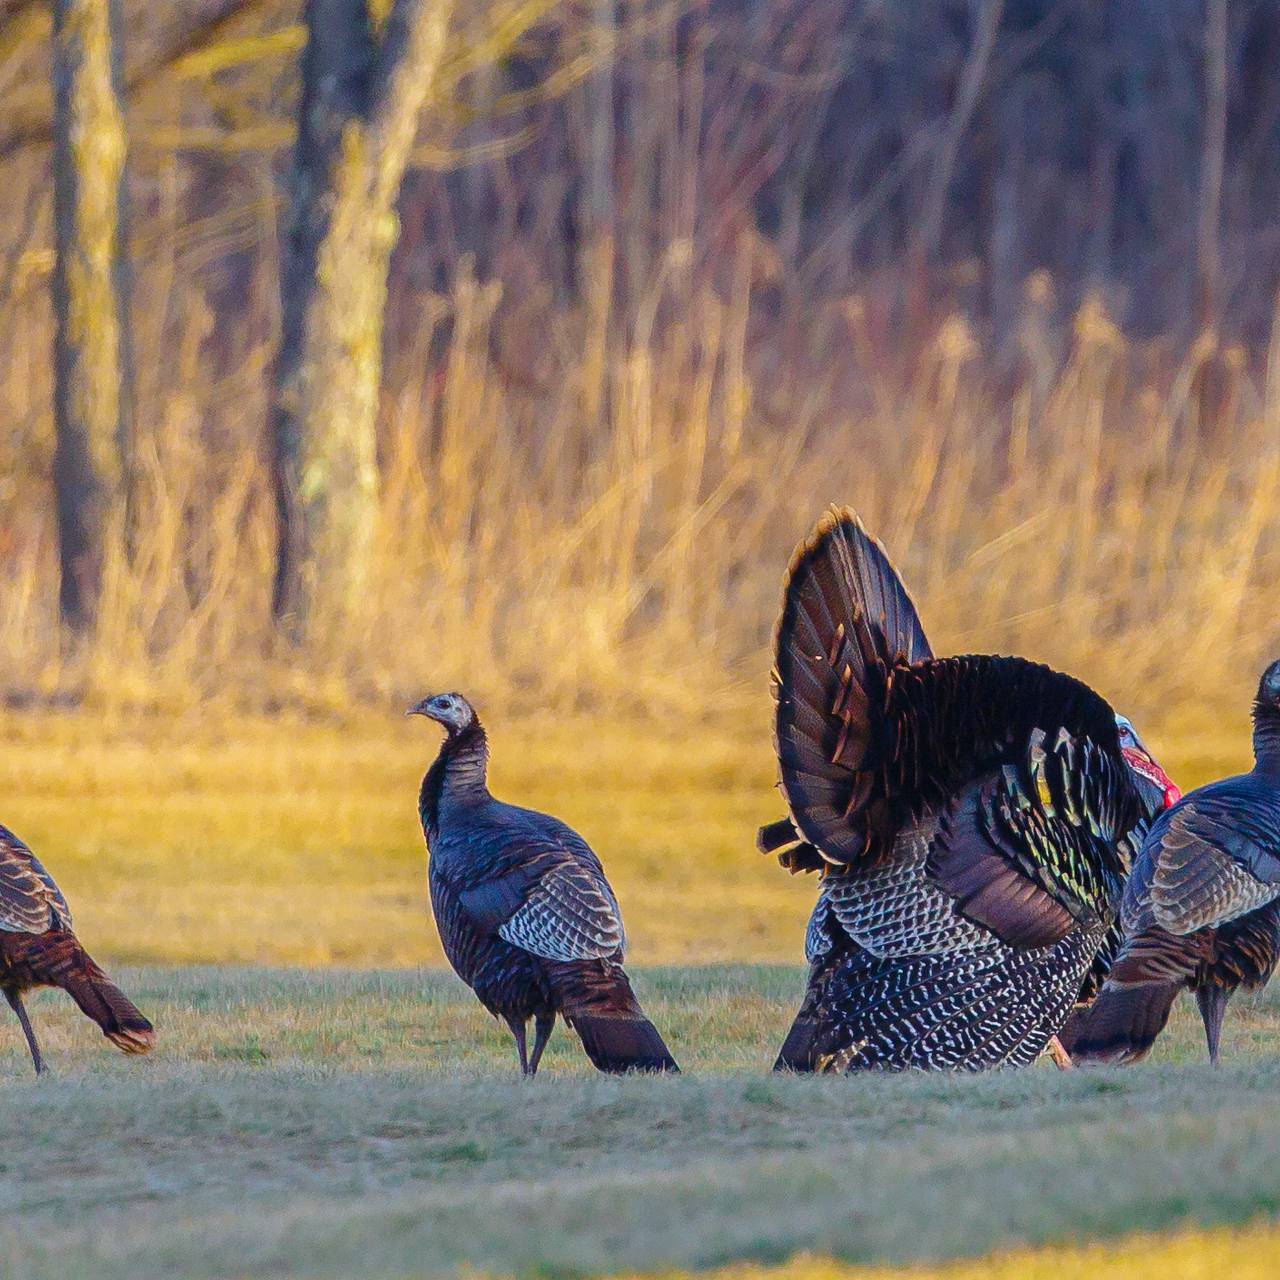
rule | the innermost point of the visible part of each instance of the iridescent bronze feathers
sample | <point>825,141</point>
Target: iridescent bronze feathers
<point>973,807</point>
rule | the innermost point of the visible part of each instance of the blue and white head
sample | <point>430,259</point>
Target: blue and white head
<point>1268,697</point>
<point>451,710</point>
<point>1153,782</point>
<point>1266,720</point>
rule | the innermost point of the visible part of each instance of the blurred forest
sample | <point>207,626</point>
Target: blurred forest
<point>628,290</point>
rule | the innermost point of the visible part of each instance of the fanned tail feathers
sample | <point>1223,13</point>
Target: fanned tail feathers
<point>846,621</point>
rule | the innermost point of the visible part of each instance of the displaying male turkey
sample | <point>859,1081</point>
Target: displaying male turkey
<point>525,913</point>
<point>38,948</point>
<point>1202,908</point>
<point>969,817</point>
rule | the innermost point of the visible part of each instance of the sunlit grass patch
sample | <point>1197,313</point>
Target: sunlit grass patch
<point>294,842</point>
<point>1248,1254</point>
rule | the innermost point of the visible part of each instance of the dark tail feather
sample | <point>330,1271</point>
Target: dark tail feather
<point>64,963</point>
<point>776,835</point>
<point>794,853</point>
<point>846,620</point>
<point>1121,1025</point>
<point>1212,1000</point>
<point>596,1000</point>
<point>798,1052</point>
<point>617,1045</point>
<point>801,1050</point>
<point>1133,1006</point>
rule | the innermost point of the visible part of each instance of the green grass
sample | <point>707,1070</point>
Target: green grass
<point>340,1124</point>
<point>365,1120</point>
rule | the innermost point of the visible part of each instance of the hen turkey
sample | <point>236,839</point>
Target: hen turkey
<point>526,916</point>
<point>1202,908</point>
<point>39,948</point>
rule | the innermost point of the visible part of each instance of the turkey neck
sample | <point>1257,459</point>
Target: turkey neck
<point>1266,738</point>
<point>457,777</point>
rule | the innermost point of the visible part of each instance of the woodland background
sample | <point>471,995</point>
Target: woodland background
<point>374,347</point>
<point>356,350</point>
<point>661,281</point>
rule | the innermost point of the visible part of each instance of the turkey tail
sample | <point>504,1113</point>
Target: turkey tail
<point>846,621</point>
<point>62,962</point>
<point>1133,1006</point>
<point>617,1045</point>
<point>598,1003</point>
<point>799,1049</point>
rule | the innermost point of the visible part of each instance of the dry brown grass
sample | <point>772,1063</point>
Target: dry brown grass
<point>1252,1254</point>
<point>211,838</point>
<point>612,541</point>
<point>588,491</point>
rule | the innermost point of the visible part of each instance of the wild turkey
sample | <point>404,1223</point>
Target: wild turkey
<point>968,816</point>
<point>38,948</point>
<point>1202,908</point>
<point>525,913</point>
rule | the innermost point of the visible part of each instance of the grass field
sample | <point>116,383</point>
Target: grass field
<point>206,840</point>
<point>299,843</point>
<point>357,1114</point>
<point>347,1124</point>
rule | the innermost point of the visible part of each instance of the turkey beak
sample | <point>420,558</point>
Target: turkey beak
<point>1145,767</point>
<point>419,708</point>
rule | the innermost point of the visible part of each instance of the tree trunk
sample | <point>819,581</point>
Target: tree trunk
<point>362,93</point>
<point>91,383</point>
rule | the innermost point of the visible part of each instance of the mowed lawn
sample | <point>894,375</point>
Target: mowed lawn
<point>326,1101</point>
<point>340,1124</point>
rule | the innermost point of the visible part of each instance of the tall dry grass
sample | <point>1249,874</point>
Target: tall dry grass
<point>597,455</point>
<point>612,537</point>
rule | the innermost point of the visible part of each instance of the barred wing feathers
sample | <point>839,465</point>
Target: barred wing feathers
<point>570,914</point>
<point>1209,861</point>
<point>542,889</point>
<point>1201,911</point>
<point>30,902</point>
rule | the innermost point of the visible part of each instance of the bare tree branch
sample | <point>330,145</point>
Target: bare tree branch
<point>214,18</point>
<point>971,81</point>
